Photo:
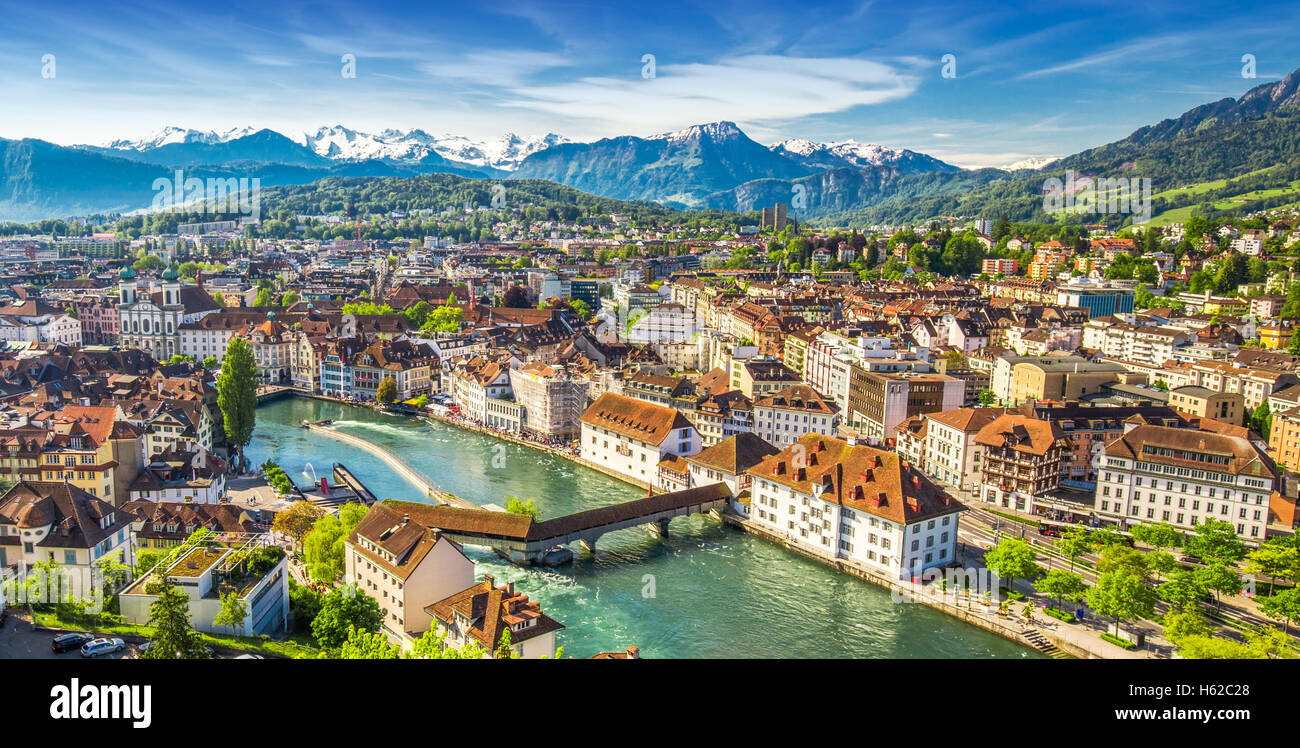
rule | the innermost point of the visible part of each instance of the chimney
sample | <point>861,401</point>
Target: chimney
<point>490,580</point>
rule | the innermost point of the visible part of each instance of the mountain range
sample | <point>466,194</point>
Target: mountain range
<point>1252,141</point>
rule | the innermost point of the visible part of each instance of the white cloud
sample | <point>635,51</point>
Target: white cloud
<point>499,68</point>
<point>752,88</point>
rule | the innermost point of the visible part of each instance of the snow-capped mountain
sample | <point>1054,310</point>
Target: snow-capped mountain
<point>715,131</point>
<point>851,153</point>
<point>169,135</point>
<point>339,143</point>
<point>503,153</point>
<point>1031,163</point>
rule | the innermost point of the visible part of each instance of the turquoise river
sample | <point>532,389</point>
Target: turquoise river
<point>704,591</point>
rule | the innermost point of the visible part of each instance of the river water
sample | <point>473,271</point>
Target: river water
<point>704,591</point>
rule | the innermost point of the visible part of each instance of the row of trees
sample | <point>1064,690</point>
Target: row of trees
<point>1130,583</point>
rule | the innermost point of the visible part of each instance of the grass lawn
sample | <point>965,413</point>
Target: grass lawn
<point>297,646</point>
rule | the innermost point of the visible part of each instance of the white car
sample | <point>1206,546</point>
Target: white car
<point>250,657</point>
<point>102,646</point>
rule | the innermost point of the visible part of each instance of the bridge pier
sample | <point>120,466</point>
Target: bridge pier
<point>659,527</point>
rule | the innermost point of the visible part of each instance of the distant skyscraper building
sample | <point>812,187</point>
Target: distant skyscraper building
<point>775,217</point>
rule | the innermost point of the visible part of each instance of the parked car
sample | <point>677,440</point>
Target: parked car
<point>102,647</point>
<point>1189,559</point>
<point>250,657</point>
<point>1051,532</point>
<point>68,642</point>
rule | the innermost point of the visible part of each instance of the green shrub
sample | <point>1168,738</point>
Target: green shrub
<point>1057,613</point>
<point>1125,643</point>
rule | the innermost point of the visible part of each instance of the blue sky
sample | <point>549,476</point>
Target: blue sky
<point>1032,79</point>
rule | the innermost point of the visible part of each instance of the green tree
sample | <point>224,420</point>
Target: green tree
<point>446,318</point>
<point>1159,536</point>
<point>1180,626</point>
<point>1121,595</point>
<point>433,646</point>
<point>1193,647</point>
<point>289,299</point>
<point>323,548</point>
<point>1074,542</point>
<point>364,645</point>
<point>1012,559</point>
<point>173,639</point>
<point>237,393</point>
<point>1161,562</point>
<point>298,520</point>
<point>1122,558</point>
<point>1283,606</point>
<point>304,604</point>
<point>1215,540</point>
<point>529,508</point>
<point>342,608</point>
<point>1219,578</point>
<point>265,297</point>
<point>988,398</point>
<point>1261,419</point>
<point>1274,562</point>
<point>1182,590</point>
<point>233,612</point>
<point>211,362</point>
<point>149,262</point>
<point>387,392</point>
<point>1060,584</point>
<point>580,308</point>
<point>504,649</point>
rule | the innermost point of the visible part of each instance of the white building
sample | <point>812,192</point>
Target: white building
<point>855,503</point>
<point>951,454</point>
<point>1156,474</point>
<point>787,416</point>
<point>667,323</point>
<point>37,322</point>
<point>630,436</point>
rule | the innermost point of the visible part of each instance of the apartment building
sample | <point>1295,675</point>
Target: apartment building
<point>1204,402</point>
<point>950,453</point>
<point>1066,378</point>
<point>631,437</point>
<point>855,503</point>
<point>42,520</point>
<point>1144,344</point>
<point>1184,476</point>
<point>1022,460</point>
<point>398,556</point>
<point>879,401</point>
<point>787,416</point>
<point>484,612</point>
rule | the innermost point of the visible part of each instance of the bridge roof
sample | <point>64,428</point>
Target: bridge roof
<point>518,527</point>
